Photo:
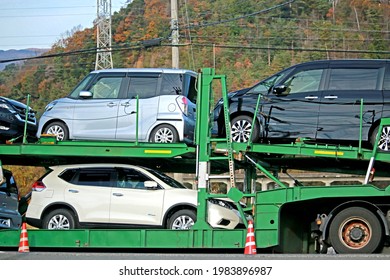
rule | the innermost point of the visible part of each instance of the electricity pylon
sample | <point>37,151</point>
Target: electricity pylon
<point>103,22</point>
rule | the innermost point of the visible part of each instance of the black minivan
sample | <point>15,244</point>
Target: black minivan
<point>324,101</point>
<point>10,217</point>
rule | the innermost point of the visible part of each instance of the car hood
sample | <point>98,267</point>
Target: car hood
<point>238,93</point>
<point>15,103</point>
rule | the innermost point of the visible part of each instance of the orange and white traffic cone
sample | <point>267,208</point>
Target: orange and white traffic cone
<point>23,243</point>
<point>250,244</point>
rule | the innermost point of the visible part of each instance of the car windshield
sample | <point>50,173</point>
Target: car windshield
<point>166,179</point>
<point>264,86</point>
<point>76,92</point>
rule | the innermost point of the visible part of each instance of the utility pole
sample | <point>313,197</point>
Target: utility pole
<point>103,22</point>
<point>174,34</point>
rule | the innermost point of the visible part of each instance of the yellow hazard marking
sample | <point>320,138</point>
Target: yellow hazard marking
<point>165,152</point>
<point>333,153</point>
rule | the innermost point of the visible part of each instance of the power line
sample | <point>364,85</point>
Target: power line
<point>240,17</point>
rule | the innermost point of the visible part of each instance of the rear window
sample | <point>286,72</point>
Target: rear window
<point>9,185</point>
<point>353,79</point>
<point>192,92</point>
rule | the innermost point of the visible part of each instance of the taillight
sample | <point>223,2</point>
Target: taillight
<point>183,104</point>
<point>38,186</point>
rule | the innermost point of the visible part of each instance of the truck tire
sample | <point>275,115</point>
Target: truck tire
<point>59,219</point>
<point>182,219</point>
<point>355,230</point>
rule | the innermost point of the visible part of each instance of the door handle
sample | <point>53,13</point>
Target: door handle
<point>127,104</point>
<point>311,97</point>
<point>117,194</point>
<point>111,104</point>
<point>73,191</point>
<point>331,97</point>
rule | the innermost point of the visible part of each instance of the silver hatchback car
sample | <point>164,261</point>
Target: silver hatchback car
<point>144,104</point>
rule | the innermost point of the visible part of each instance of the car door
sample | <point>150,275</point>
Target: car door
<point>133,203</point>
<point>348,87</point>
<point>89,194</point>
<point>130,123</point>
<point>291,109</point>
<point>95,116</point>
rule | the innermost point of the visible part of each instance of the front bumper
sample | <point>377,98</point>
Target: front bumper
<point>12,126</point>
<point>222,217</point>
<point>10,220</point>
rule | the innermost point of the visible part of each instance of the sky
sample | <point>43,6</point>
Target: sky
<point>40,23</point>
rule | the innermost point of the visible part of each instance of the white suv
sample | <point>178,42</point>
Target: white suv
<point>103,106</point>
<point>119,195</point>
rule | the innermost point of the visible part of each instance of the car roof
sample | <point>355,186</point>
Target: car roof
<point>146,70</point>
<point>344,61</point>
<point>92,165</point>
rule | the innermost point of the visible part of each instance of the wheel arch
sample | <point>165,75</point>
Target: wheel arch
<point>173,209</point>
<point>53,121</point>
<point>356,203</point>
<point>161,123</point>
<point>60,205</point>
<point>236,114</point>
<point>374,126</point>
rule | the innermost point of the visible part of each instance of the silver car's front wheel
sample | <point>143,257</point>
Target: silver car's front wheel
<point>58,129</point>
<point>182,220</point>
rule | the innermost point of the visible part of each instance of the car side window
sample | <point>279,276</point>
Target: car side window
<point>100,177</point>
<point>386,83</point>
<point>171,84</point>
<point>144,87</point>
<point>68,175</point>
<point>81,86</point>
<point>106,87</point>
<point>353,79</point>
<point>264,86</point>
<point>131,179</point>
<point>304,81</point>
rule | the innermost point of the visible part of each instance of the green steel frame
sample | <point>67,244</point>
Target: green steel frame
<point>282,216</point>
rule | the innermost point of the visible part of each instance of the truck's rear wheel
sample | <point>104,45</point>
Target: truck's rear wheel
<point>355,230</point>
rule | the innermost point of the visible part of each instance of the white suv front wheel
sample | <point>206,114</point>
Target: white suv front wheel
<point>182,220</point>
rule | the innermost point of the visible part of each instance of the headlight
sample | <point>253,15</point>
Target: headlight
<point>7,107</point>
<point>50,105</point>
<point>221,203</point>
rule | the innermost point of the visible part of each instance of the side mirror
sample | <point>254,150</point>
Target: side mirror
<point>279,90</point>
<point>150,185</point>
<point>85,94</point>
